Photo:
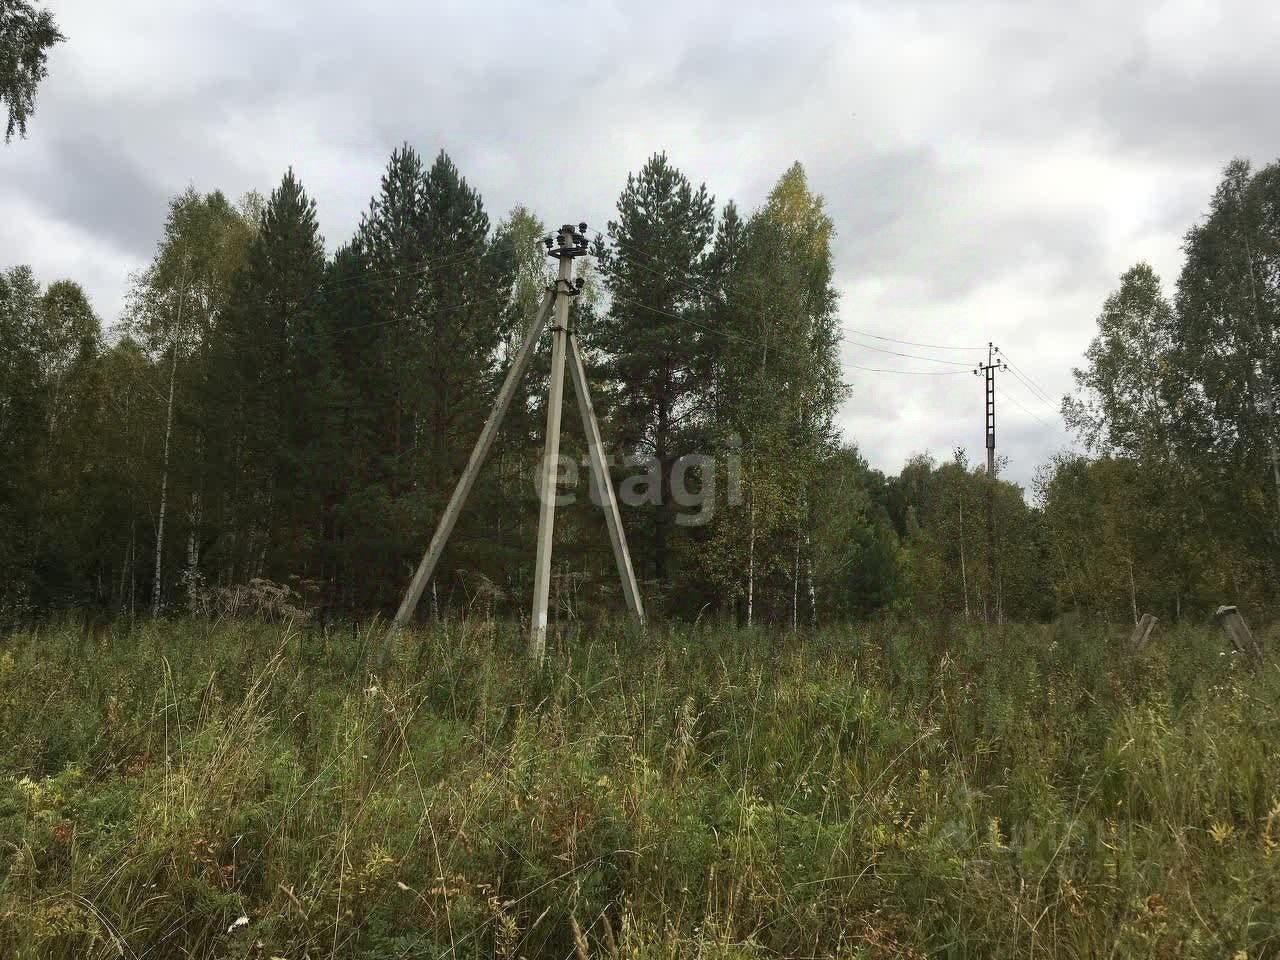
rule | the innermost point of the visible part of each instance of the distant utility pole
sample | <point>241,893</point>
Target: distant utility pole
<point>569,244</point>
<point>989,369</point>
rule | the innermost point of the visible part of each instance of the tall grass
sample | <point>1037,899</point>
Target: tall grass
<point>205,790</point>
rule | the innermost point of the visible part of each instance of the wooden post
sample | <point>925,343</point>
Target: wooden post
<point>1237,631</point>
<point>1142,632</point>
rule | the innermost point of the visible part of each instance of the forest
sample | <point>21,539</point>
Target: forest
<point>266,414</point>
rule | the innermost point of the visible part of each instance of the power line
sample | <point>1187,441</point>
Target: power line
<point>1027,410</point>
<point>1039,392</point>
<point>691,285</point>
<point>917,373</point>
<point>910,343</point>
<point>1036,393</point>
<point>760,343</point>
<point>916,356</point>
<point>1031,383</point>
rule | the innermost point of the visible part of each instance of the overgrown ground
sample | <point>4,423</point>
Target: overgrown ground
<point>889,790</point>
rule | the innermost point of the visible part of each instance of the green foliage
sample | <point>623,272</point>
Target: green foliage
<point>1180,400</point>
<point>420,313</point>
<point>274,357</point>
<point>905,789</point>
<point>653,271</point>
<point>49,406</point>
<point>952,566</point>
<point>267,411</point>
<point>26,36</point>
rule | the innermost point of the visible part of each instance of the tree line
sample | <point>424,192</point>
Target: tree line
<point>265,412</point>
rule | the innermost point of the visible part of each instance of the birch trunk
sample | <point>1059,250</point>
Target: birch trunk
<point>164,482</point>
<point>808,572</point>
<point>795,588</point>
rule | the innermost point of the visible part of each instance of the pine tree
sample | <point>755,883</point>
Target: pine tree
<point>394,243</point>
<point>654,271</point>
<point>358,534</point>
<point>464,305</point>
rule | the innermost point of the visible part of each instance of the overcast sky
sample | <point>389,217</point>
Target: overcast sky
<point>991,167</point>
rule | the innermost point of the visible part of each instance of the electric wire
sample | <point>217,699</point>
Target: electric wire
<point>739,302</point>
<point>1031,383</point>
<point>777,347</point>
<point>1036,391</point>
<point>692,286</point>
<point>1027,410</point>
<point>911,343</point>
<point>1039,396</point>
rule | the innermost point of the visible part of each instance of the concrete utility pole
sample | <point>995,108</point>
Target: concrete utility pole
<point>460,493</point>
<point>547,487</point>
<point>569,244</point>
<point>603,486</point>
<point>989,369</point>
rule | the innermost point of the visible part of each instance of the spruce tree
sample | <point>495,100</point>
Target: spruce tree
<point>279,358</point>
<point>394,243</point>
<point>440,295</point>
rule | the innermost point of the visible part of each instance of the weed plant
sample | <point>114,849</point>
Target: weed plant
<point>233,790</point>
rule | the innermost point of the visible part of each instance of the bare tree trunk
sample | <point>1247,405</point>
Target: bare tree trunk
<point>192,577</point>
<point>795,588</point>
<point>964,573</point>
<point>164,482</point>
<point>751,563</point>
<point>1275,466</point>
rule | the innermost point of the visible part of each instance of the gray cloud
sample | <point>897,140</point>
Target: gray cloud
<point>991,167</point>
<point>91,183</point>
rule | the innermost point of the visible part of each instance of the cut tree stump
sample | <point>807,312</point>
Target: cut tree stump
<point>1232,624</point>
<point>1142,631</point>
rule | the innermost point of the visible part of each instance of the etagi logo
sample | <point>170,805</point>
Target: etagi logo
<point>692,483</point>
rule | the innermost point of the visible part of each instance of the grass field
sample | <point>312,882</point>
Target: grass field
<point>201,790</point>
